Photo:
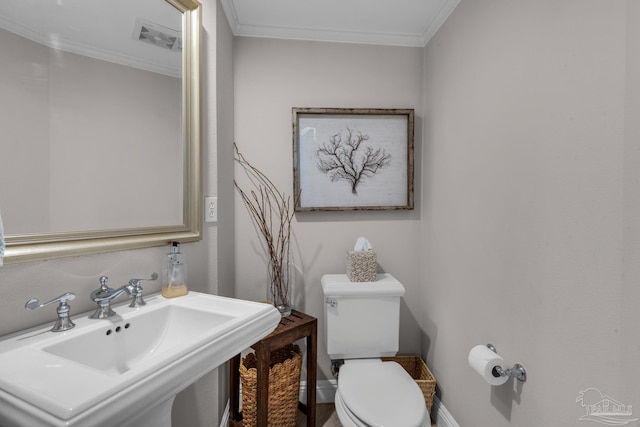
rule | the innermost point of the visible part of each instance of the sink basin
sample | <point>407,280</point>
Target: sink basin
<point>138,341</point>
<point>102,372</point>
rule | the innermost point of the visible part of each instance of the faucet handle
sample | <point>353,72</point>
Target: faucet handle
<point>136,282</point>
<point>63,323</point>
<point>135,291</point>
<point>34,303</point>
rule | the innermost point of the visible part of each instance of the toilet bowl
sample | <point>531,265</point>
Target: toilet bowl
<point>361,326</point>
<point>376,393</point>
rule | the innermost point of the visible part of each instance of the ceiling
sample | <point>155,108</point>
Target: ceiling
<point>384,22</point>
<point>127,32</point>
<point>110,29</point>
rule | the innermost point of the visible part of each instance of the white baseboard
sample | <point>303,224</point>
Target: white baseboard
<point>326,392</point>
<point>441,416</point>
<point>225,415</point>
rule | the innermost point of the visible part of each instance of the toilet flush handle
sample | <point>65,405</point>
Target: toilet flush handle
<point>331,301</point>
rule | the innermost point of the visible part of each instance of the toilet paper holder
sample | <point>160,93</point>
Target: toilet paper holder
<point>518,371</point>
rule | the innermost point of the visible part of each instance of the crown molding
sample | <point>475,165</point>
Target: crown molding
<point>438,19</point>
<point>328,35</point>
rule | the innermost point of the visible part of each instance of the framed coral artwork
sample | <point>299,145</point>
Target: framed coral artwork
<point>353,159</point>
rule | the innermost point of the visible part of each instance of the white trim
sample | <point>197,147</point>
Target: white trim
<point>229,10</point>
<point>325,391</point>
<point>441,416</point>
<point>224,422</point>
<point>437,21</point>
<point>322,35</point>
<point>343,36</point>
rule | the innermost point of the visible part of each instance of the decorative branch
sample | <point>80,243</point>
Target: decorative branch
<point>271,212</point>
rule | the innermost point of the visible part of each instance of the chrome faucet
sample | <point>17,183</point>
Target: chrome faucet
<point>104,295</point>
<point>63,323</point>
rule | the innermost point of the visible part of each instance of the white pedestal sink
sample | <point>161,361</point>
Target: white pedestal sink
<point>124,371</point>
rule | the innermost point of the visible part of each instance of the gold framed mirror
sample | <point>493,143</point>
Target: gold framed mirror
<point>30,246</point>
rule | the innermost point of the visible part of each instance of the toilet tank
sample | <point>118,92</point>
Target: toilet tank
<point>361,319</point>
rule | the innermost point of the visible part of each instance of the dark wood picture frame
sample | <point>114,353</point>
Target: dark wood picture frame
<point>347,159</point>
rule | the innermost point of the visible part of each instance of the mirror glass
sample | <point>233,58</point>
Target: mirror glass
<point>101,131</point>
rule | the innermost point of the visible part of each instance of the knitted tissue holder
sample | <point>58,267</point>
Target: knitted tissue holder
<point>362,262</point>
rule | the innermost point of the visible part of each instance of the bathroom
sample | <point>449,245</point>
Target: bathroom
<point>525,231</point>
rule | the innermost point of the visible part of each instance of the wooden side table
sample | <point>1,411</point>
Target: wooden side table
<point>291,328</point>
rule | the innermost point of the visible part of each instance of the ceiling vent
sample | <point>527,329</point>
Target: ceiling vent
<point>158,35</point>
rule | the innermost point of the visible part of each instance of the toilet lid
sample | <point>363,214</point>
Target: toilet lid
<point>381,394</point>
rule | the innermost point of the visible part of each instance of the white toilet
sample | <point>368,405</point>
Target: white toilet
<point>362,321</point>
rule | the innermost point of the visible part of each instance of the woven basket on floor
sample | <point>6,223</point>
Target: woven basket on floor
<point>419,371</point>
<point>284,387</point>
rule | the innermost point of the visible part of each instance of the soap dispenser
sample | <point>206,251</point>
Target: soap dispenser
<point>174,282</point>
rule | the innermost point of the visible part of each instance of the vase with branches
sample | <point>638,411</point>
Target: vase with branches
<point>271,212</point>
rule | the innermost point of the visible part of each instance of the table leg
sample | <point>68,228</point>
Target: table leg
<point>263,356</point>
<point>312,357</point>
<point>234,387</point>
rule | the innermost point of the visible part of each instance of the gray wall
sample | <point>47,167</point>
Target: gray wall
<point>203,403</point>
<point>630,291</point>
<point>271,76</point>
<point>530,205</point>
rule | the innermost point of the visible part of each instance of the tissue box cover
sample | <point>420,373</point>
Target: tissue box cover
<point>362,266</point>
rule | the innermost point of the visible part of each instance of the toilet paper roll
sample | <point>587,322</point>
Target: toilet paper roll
<point>483,360</point>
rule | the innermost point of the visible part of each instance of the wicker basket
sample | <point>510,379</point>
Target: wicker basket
<point>284,387</point>
<point>419,371</point>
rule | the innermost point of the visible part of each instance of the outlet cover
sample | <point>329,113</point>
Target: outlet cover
<point>211,209</point>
